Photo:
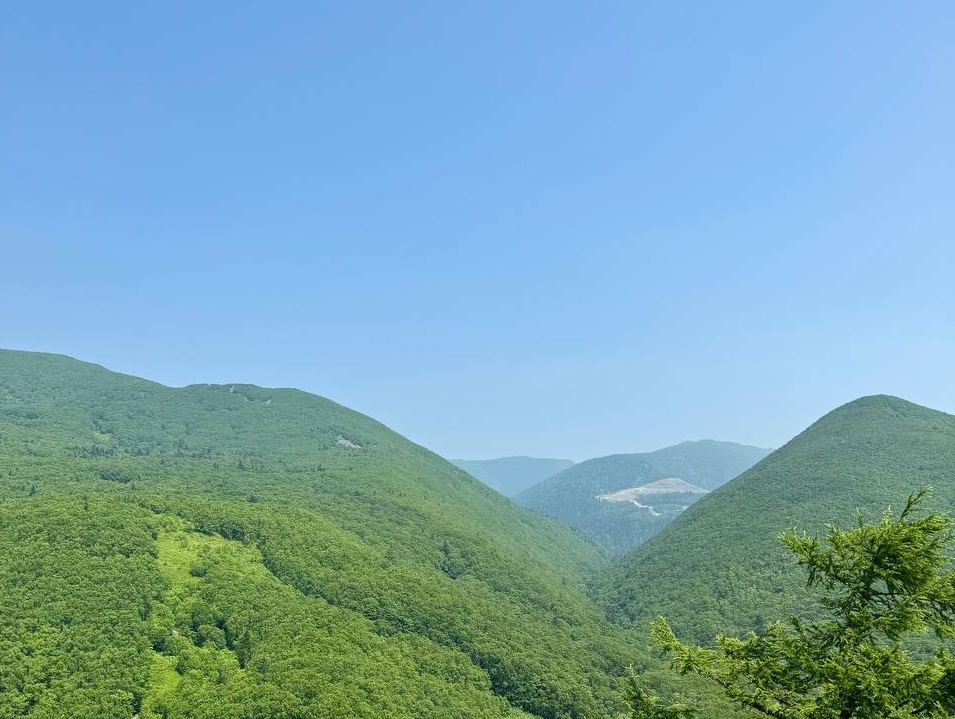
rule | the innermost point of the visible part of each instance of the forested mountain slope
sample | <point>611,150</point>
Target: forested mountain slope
<point>706,463</point>
<point>589,495</point>
<point>235,551</point>
<point>719,566</point>
<point>510,475</point>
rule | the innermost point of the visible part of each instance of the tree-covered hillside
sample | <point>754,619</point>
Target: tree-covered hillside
<point>719,566</point>
<point>234,551</point>
<point>510,475</point>
<point>706,462</point>
<point>581,495</point>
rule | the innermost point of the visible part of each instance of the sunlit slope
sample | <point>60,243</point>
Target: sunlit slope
<point>280,551</point>
<point>242,441</point>
<point>579,495</point>
<point>719,565</point>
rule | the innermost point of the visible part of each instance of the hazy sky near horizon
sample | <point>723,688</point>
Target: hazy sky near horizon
<point>547,228</point>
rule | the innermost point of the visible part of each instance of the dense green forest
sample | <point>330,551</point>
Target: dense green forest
<point>879,644</point>
<point>720,568</point>
<point>236,552</point>
<point>577,495</point>
<point>233,551</point>
<point>511,475</point>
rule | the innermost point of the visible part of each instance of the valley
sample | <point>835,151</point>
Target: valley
<point>719,566</point>
<point>512,475</point>
<point>482,360</point>
<point>601,496</point>
<point>164,551</point>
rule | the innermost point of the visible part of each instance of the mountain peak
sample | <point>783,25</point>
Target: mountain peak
<point>880,402</point>
<point>718,567</point>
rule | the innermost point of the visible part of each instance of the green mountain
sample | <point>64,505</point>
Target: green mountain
<point>719,566</point>
<point>234,551</point>
<point>510,475</point>
<point>706,463</point>
<point>621,500</point>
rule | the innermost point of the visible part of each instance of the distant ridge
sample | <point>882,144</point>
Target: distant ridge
<point>719,567</point>
<point>578,495</point>
<point>511,475</point>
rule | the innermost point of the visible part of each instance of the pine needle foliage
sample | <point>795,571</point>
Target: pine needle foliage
<point>889,587</point>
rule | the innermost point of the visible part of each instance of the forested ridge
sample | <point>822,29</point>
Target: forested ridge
<point>233,551</point>
<point>719,567</point>
<point>576,495</point>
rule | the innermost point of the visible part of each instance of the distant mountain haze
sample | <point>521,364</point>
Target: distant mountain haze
<point>242,551</point>
<point>706,462</point>
<point>510,475</point>
<point>610,498</point>
<point>719,566</point>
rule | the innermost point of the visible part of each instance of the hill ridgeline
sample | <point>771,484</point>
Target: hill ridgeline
<point>231,551</point>
<point>719,567</point>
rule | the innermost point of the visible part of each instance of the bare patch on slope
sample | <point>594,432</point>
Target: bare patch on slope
<point>668,485</point>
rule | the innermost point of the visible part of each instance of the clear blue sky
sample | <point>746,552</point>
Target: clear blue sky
<point>549,228</point>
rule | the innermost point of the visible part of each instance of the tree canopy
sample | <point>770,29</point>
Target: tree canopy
<point>880,649</point>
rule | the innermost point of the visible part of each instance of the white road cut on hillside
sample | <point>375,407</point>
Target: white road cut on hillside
<point>669,485</point>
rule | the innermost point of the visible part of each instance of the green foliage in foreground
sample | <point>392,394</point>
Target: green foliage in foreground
<point>884,583</point>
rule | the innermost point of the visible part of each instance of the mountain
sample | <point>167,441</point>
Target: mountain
<point>231,551</point>
<point>510,475</point>
<point>598,498</point>
<point>720,567</point>
<point>706,463</point>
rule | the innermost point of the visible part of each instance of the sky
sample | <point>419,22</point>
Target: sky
<point>557,229</point>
